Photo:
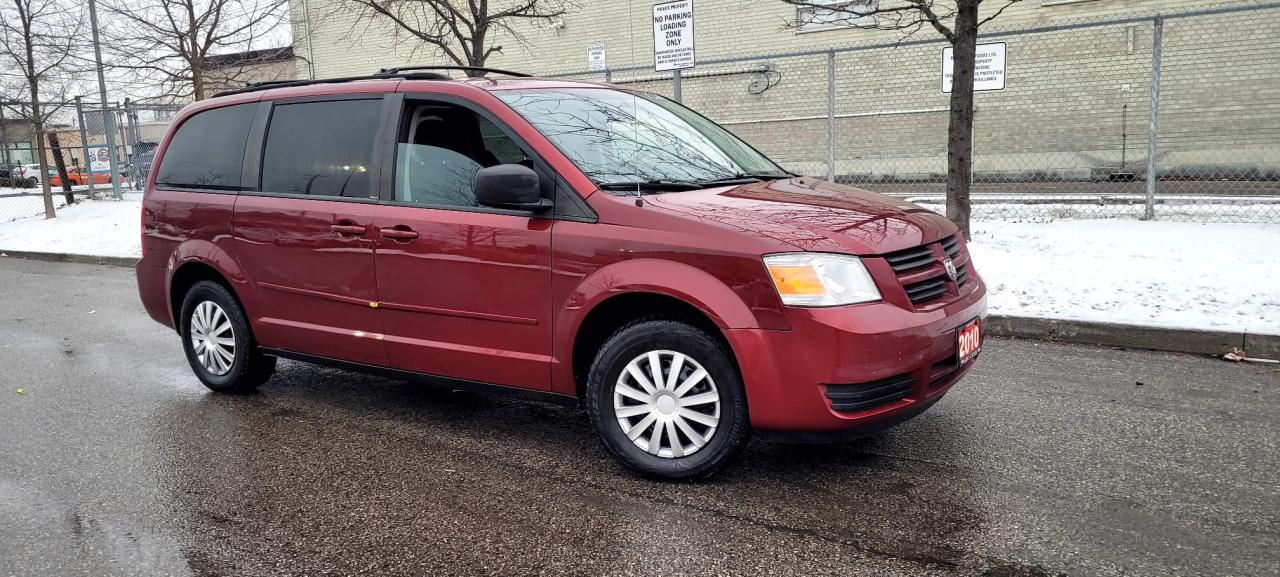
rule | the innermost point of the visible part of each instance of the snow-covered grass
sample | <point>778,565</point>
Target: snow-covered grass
<point>92,227</point>
<point>1174,274</point>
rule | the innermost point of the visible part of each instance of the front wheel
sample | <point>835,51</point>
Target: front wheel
<point>667,400</point>
<point>218,342</point>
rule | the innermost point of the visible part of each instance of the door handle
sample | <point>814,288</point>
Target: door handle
<point>348,229</point>
<point>399,232</point>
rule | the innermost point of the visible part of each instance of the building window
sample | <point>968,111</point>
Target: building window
<point>829,14</point>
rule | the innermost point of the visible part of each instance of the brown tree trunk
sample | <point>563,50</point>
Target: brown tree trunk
<point>960,129</point>
<point>37,124</point>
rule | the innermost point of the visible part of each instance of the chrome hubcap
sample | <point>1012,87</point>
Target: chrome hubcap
<point>213,340</point>
<point>667,404</point>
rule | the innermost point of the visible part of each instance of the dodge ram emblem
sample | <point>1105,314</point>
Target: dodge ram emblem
<point>951,269</point>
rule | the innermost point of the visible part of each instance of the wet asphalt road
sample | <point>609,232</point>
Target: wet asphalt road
<point>1048,459</point>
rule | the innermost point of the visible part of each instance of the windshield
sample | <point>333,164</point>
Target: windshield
<point>620,138</point>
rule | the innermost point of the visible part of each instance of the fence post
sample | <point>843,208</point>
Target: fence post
<point>131,117</point>
<point>831,116</point>
<point>1153,131</point>
<point>87,163</point>
<point>4,139</point>
<point>675,82</point>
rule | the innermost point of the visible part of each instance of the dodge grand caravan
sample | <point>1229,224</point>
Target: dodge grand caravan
<point>559,238</point>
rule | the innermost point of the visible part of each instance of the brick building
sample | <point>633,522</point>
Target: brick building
<point>1075,104</point>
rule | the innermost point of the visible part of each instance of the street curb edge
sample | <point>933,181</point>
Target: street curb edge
<point>122,261</point>
<point>1213,343</point>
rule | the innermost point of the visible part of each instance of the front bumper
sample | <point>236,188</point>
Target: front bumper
<point>786,373</point>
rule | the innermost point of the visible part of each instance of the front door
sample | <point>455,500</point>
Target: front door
<point>306,237</point>
<point>464,291</point>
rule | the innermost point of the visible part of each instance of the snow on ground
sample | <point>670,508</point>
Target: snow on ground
<point>1174,274</point>
<point>94,227</point>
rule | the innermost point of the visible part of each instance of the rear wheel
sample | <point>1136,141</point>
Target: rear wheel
<point>218,342</point>
<point>667,400</point>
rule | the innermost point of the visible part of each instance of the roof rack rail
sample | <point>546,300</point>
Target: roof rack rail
<point>269,84</point>
<point>400,69</point>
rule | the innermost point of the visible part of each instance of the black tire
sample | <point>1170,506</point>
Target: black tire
<point>634,340</point>
<point>249,368</point>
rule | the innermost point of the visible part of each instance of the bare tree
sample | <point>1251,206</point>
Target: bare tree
<point>464,31</point>
<point>167,44</point>
<point>957,21</point>
<point>38,37</point>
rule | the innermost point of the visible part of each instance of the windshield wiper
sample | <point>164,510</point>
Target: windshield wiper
<point>665,185</point>
<point>744,178</point>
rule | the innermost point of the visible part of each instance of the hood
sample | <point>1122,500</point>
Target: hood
<point>814,215</point>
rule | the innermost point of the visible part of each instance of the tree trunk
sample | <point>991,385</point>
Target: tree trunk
<point>37,125</point>
<point>960,129</point>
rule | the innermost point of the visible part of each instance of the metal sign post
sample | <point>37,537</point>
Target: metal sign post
<point>108,123</point>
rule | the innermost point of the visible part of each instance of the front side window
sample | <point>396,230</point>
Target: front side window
<point>207,151</point>
<point>441,148</point>
<point>321,148</point>
<point>618,137</point>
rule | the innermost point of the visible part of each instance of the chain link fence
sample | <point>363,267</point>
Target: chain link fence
<point>76,134</point>
<point>1169,116</point>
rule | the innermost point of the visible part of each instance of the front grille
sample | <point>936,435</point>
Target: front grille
<point>911,259</point>
<point>927,290</point>
<point>951,245</point>
<point>853,398</point>
<point>921,272</point>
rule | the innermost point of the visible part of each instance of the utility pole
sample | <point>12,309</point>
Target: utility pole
<point>108,122</point>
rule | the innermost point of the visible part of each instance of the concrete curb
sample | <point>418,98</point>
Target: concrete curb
<point>1214,343</point>
<point>124,261</point>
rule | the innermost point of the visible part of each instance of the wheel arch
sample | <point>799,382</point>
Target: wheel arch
<point>615,295</point>
<point>198,260</point>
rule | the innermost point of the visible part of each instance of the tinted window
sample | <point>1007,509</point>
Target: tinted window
<point>208,149</point>
<point>442,147</point>
<point>321,148</point>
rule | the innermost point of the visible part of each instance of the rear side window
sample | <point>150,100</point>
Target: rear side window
<point>208,149</point>
<point>321,148</point>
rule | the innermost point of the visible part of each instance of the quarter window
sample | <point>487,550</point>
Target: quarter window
<point>321,148</point>
<point>207,151</point>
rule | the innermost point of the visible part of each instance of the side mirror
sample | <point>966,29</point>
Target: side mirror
<point>510,186</point>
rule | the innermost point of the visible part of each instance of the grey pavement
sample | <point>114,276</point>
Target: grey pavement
<point>1049,459</point>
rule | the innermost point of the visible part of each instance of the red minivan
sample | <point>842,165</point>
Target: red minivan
<point>570,240</point>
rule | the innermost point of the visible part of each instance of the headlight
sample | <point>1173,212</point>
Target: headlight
<point>810,279</point>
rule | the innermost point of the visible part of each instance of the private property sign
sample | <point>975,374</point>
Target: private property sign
<point>988,68</point>
<point>673,35</point>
